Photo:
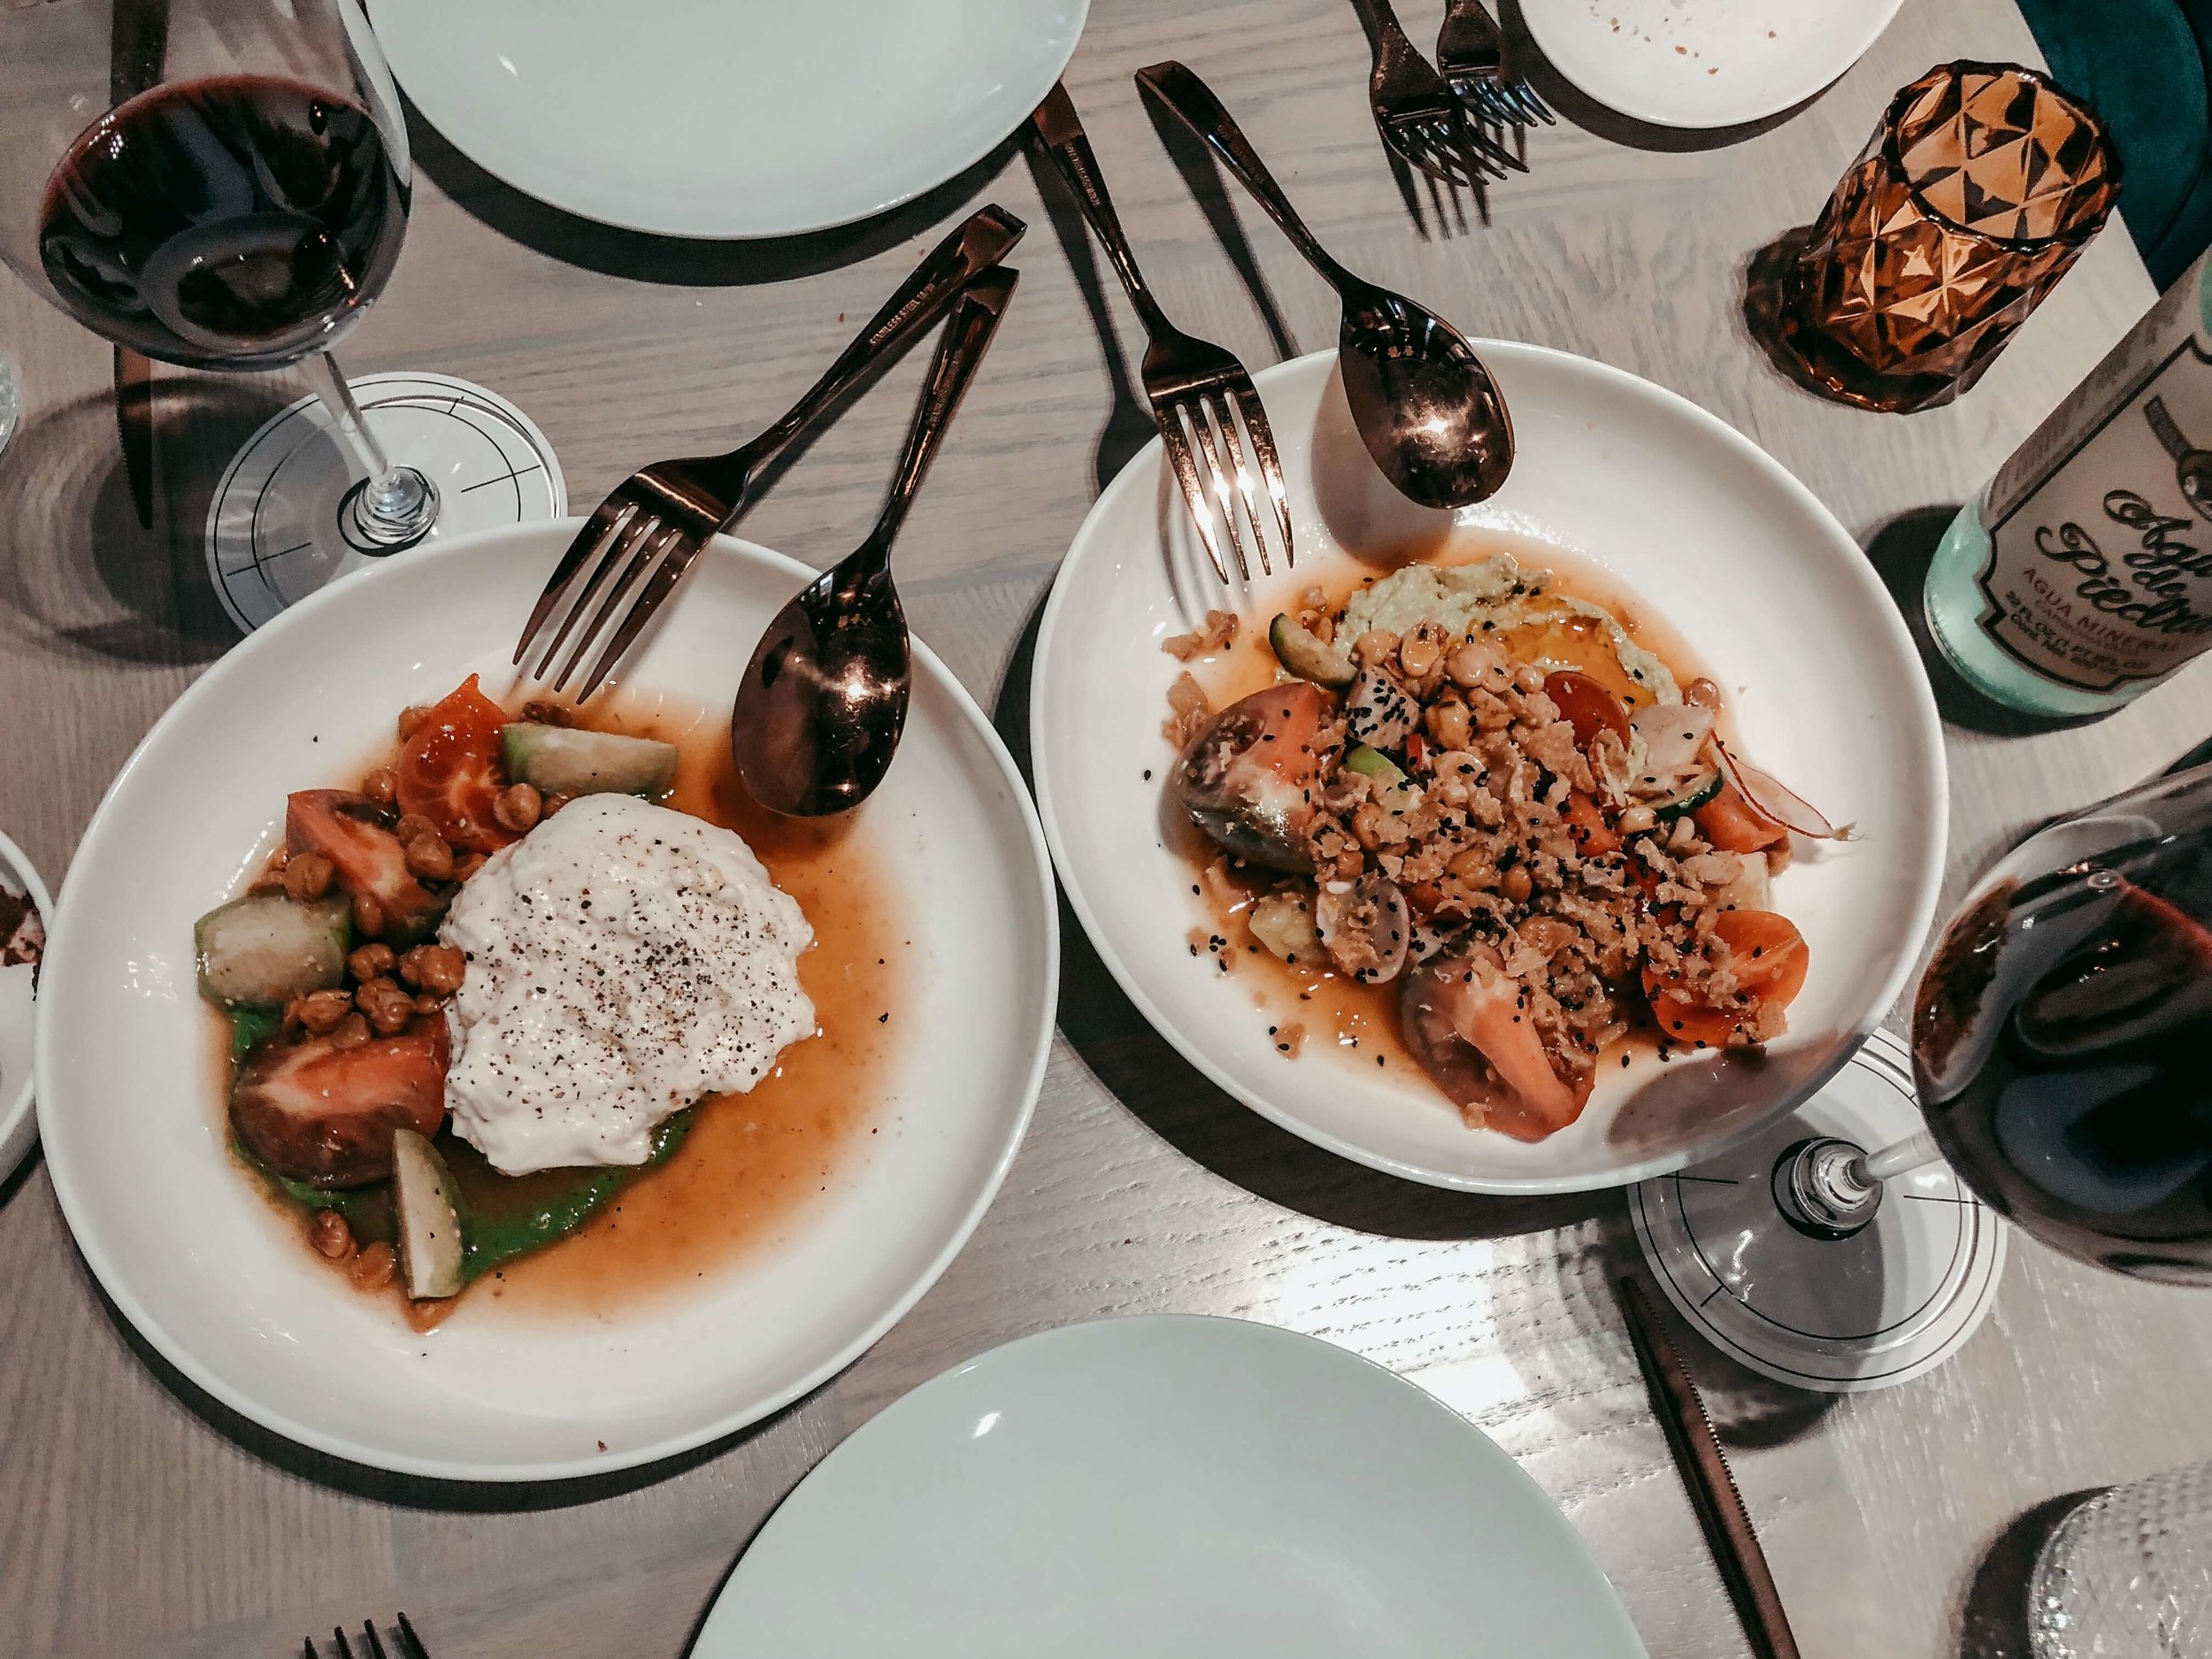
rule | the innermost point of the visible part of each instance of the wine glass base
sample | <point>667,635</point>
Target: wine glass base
<point>276,530</point>
<point>1891,1301</point>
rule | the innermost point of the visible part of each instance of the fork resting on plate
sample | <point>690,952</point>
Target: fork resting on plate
<point>644,536</point>
<point>1197,390</point>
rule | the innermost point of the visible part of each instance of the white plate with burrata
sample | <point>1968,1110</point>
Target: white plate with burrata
<point>214,1275</point>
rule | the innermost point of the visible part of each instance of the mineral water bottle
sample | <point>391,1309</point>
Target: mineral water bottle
<point>2083,574</point>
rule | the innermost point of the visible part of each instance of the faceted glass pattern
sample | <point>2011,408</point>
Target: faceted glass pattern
<point>1980,187</point>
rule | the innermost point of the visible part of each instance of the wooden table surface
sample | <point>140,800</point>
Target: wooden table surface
<point>137,1518</point>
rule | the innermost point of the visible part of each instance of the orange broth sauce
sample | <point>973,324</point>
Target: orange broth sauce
<point>750,1163</point>
<point>1311,1006</point>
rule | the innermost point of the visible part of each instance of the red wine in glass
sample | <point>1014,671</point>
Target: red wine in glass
<point>2063,1042</point>
<point>232,222</point>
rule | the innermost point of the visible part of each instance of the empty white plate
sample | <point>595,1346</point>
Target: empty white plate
<point>1704,63</point>
<point>223,1286</point>
<point>727,117</point>
<point>1716,540</point>
<point>1168,1487</point>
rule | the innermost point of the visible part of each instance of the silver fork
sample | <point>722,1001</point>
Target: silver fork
<point>1420,121</point>
<point>1186,380</point>
<point>1471,49</point>
<point>645,535</point>
<point>409,1645</point>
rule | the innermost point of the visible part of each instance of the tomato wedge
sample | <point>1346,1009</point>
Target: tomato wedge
<point>368,858</point>
<point>451,771</point>
<point>1733,825</point>
<point>1588,828</point>
<point>1770,959</point>
<point>1586,705</point>
<point>313,1112</point>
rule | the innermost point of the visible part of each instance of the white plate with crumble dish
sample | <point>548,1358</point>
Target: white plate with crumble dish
<point>1624,486</point>
<point>216,1277</point>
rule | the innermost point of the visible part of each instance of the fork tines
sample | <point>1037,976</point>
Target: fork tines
<point>1506,103</point>
<point>1453,149</point>
<point>410,1646</point>
<point>1204,421</point>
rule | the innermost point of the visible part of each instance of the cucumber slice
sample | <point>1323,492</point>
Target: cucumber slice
<point>559,760</point>
<point>1373,762</point>
<point>429,1214</point>
<point>1682,802</point>
<point>1298,649</point>
<point>264,950</point>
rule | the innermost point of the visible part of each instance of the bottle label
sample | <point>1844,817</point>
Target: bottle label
<point>2099,571</point>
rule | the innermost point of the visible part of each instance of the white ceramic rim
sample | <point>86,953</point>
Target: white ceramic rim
<point>15,865</point>
<point>1797,92</point>
<point>1483,1447</point>
<point>1936,782</point>
<point>179,1356</point>
<point>547,188</point>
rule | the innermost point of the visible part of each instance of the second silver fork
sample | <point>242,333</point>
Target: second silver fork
<point>1186,380</point>
<point>646,533</point>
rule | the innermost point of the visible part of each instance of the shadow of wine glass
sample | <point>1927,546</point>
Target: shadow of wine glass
<point>78,575</point>
<point>1995,1617</point>
<point>696,262</point>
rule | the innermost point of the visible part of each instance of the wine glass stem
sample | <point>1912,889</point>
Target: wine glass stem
<point>394,506</point>
<point>1911,1153</point>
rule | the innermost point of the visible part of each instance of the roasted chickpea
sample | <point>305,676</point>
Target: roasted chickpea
<point>554,803</point>
<point>517,808</point>
<point>412,825</point>
<point>1450,724</point>
<point>410,719</point>
<point>427,1003</point>
<point>1367,824</point>
<point>429,857</point>
<point>352,1032</point>
<point>466,865</point>
<point>438,969</point>
<point>381,786</point>
<point>1516,885</point>
<point>322,1011</point>
<point>373,1269</point>
<point>1417,654</point>
<point>368,961</point>
<point>327,1232</point>
<point>1473,869</point>
<point>308,877</point>
<point>368,916</point>
<point>387,1007</point>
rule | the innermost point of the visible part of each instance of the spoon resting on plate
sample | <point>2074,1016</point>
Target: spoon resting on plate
<point>1426,407</point>
<point>819,711</point>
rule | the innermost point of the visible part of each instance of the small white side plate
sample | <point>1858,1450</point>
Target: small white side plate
<point>727,117</point>
<point>1704,63</point>
<point>220,1284</point>
<point>1168,1487</point>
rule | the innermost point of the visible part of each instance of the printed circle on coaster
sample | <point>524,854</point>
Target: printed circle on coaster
<point>1841,1315</point>
<point>275,529</point>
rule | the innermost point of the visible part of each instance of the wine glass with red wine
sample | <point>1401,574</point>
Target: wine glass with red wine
<point>223,184</point>
<point>2062,1044</point>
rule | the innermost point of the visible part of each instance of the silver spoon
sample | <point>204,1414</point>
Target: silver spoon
<point>818,714</point>
<point>1427,409</point>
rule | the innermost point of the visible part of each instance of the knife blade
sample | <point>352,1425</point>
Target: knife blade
<point>1712,1488</point>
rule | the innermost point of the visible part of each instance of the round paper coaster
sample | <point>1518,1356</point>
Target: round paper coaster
<point>273,530</point>
<point>1891,1300</point>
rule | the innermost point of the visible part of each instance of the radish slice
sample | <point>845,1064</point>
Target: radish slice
<point>1771,795</point>
<point>1673,737</point>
